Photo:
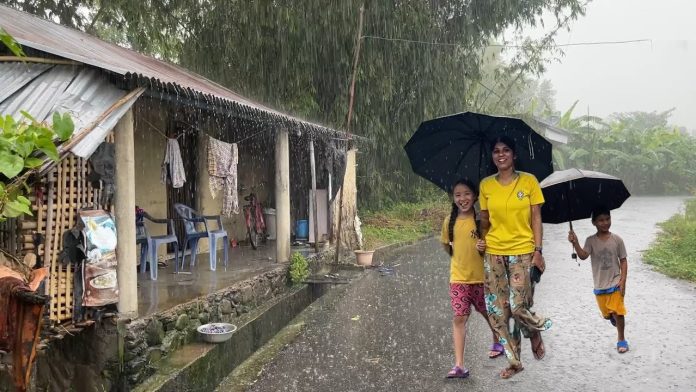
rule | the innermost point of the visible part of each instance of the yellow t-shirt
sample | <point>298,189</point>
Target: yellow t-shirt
<point>466,265</point>
<point>510,215</point>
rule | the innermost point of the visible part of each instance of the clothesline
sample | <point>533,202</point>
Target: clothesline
<point>193,128</point>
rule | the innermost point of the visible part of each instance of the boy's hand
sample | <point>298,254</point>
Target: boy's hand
<point>481,245</point>
<point>572,238</point>
<point>622,287</point>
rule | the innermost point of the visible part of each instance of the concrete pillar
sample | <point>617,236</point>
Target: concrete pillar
<point>282,195</point>
<point>124,211</point>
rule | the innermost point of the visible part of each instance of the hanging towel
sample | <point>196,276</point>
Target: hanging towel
<point>222,168</point>
<point>172,165</point>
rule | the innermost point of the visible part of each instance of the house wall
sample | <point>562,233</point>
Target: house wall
<point>150,145</point>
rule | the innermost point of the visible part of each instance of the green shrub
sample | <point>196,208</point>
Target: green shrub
<point>299,269</point>
<point>674,250</point>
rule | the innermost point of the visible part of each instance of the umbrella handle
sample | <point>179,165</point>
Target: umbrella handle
<point>573,255</point>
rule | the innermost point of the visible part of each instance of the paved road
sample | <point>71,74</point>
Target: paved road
<point>401,341</point>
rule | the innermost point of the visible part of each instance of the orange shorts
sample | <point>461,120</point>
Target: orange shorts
<point>611,303</point>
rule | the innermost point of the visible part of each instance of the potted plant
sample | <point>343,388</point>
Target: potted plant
<point>363,256</point>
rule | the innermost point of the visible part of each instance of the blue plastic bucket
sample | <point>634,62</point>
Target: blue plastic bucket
<point>302,229</point>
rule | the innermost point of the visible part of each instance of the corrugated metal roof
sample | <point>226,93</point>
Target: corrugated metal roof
<point>83,92</point>
<point>72,44</point>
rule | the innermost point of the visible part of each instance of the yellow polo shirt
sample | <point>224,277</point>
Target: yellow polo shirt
<point>466,265</point>
<point>509,211</point>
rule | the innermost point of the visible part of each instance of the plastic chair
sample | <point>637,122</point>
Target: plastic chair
<point>152,243</point>
<point>191,220</point>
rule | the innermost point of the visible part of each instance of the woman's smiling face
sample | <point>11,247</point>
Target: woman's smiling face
<point>503,156</point>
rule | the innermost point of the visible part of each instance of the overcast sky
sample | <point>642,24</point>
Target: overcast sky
<point>645,76</point>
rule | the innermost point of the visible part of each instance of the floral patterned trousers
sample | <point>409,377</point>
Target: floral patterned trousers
<point>510,294</point>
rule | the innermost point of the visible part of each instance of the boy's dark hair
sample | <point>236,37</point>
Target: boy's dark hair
<point>455,211</point>
<point>600,210</point>
<point>506,141</point>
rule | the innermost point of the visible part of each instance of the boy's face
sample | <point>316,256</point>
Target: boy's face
<point>602,223</point>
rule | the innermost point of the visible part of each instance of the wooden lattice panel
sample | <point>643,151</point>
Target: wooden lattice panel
<point>66,191</point>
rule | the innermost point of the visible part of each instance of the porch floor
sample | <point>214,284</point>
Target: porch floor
<point>171,289</point>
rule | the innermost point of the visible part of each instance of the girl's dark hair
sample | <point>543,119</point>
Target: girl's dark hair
<point>455,211</point>
<point>506,141</point>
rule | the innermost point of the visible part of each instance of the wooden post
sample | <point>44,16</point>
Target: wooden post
<point>124,211</point>
<point>313,168</point>
<point>282,196</point>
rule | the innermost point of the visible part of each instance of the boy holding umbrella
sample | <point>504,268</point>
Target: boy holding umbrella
<point>609,269</point>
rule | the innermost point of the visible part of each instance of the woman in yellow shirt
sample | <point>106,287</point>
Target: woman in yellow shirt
<point>511,226</point>
<point>461,240</point>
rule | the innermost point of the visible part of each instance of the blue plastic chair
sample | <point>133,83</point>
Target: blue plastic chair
<point>150,243</point>
<point>192,219</point>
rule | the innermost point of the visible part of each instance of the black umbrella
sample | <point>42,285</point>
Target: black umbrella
<point>446,149</point>
<point>572,195</point>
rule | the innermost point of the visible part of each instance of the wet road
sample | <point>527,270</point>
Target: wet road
<point>393,333</point>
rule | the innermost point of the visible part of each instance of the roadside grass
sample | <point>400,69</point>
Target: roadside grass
<point>403,222</point>
<point>674,251</point>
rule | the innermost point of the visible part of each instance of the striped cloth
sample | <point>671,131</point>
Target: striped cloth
<point>222,168</point>
<point>173,166</point>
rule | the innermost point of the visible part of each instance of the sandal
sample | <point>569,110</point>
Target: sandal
<point>510,371</point>
<point>458,372</point>
<point>496,350</point>
<point>622,346</point>
<point>538,348</point>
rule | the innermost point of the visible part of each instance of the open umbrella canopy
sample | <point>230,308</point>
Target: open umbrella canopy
<point>449,148</point>
<point>572,194</point>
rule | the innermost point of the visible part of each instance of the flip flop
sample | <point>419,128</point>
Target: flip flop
<point>458,372</point>
<point>498,349</point>
<point>510,371</point>
<point>538,349</point>
<point>622,344</point>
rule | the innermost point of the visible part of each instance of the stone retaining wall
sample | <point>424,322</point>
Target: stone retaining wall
<point>148,339</point>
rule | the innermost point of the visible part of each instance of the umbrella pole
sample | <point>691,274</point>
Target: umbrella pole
<point>573,255</point>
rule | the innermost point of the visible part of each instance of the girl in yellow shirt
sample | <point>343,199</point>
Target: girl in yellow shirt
<point>461,240</point>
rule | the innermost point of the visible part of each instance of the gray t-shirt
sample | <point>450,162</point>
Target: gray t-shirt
<point>605,256</point>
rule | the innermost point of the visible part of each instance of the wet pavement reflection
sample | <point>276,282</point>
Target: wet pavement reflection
<point>171,289</point>
<point>392,332</point>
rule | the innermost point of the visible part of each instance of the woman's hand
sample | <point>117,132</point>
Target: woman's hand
<point>538,261</point>
<point>481,245</point>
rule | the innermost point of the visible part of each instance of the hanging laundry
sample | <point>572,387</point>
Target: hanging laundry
<point>222,168</point>
<point>172,166</point>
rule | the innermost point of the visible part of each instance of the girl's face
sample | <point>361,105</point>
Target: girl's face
<point>503,157</point>
<point>464,198</point>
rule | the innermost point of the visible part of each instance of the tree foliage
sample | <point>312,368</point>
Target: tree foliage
<point>642,148</point>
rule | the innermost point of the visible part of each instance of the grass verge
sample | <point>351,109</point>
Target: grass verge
<point>674,251</point>
<point>403,222</point>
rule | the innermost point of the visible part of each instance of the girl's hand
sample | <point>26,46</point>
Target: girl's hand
<point>481,245</point>
<point>538,261</point>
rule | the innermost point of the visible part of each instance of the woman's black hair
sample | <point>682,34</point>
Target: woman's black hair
<point>455,210</point>
<point>506,141</point>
